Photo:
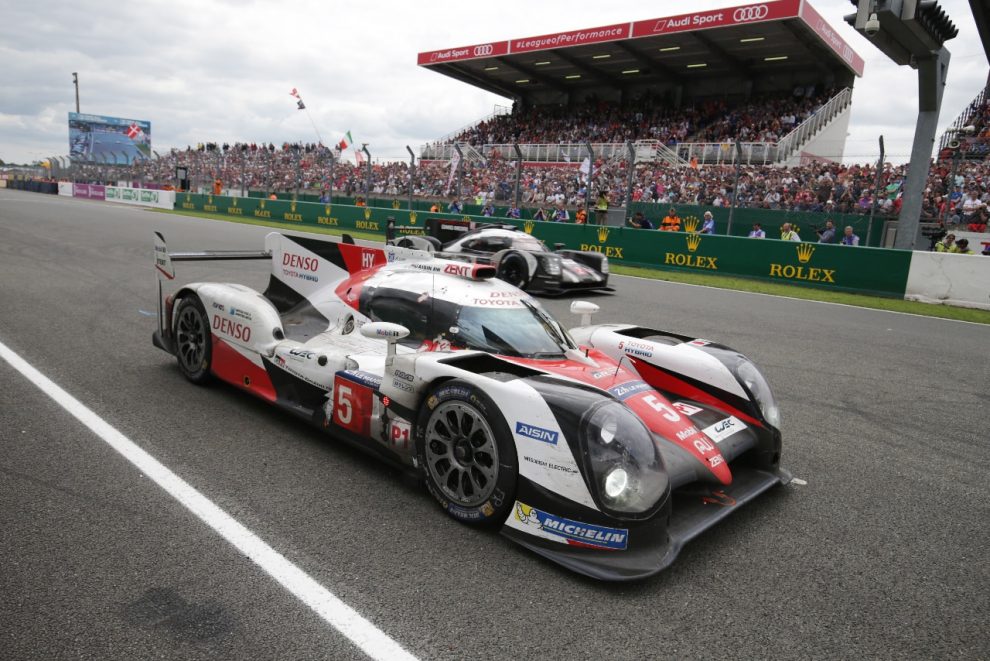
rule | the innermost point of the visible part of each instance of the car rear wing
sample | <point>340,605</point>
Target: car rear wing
<point>166,271</point>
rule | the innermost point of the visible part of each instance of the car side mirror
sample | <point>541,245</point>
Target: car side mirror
<point>383,330</point>
<point>585,309</point>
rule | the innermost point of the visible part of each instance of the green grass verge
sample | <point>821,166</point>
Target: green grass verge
<point>720,281</point>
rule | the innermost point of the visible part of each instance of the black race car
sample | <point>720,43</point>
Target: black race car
<point>519,258</point>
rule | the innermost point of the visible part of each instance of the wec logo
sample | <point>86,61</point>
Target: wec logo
<point>536,433</point>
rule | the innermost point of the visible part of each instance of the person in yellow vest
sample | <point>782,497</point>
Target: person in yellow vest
<point>671,222</point>
<point>601,208</point>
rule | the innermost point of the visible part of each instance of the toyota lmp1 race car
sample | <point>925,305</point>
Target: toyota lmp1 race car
<point>519,258</point>
<point>604,448</point>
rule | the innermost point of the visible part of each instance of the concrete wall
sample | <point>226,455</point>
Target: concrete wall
<point>962,280</point>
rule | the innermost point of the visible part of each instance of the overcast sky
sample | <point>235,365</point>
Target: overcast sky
<point>221,70</point>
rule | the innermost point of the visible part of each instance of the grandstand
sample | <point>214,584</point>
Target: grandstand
<point>681,88</point>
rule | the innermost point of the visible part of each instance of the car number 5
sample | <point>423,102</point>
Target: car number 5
<point>345,411</point>
<point>660,407</point>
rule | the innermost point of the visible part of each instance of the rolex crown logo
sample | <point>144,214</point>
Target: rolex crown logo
<point>188,197</point>
<point>395,204</point>
<point>326,209</point>
<point>209,199</point>
<point>292,206</point>
<point>233,201</point>
<point>693,241</point>
<point>412,217</point>
<point>805,251</point>
<point>691,224</point>
<point>528,226</point>
<point>367,213</point>
<point>262,204</point>
<point>603,234</point>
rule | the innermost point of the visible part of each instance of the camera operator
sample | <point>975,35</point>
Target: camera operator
<point>826,234</point>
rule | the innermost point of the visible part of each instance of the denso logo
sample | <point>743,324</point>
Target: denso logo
<point>485,49</point>
<point>232,328</point>
<point>457,269</point>
<point>300,262</point>
<point>754,13</point>
<point>536,433</point>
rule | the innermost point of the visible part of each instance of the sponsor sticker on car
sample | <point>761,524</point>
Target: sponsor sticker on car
<point>723,429</point>
<point>568,531</point>
<point>536,433</point>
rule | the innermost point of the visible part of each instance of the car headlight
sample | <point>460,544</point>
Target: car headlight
<point>604,266</point>
<point>552,264</point>
<point>756,383</point>
<point>625,465</point>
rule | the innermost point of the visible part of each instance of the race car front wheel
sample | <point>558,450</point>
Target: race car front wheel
<point>193,343</point>
<point>467,453</point>
<point>513,269</point>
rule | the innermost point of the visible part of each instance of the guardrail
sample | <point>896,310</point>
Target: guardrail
<point>865,270</point>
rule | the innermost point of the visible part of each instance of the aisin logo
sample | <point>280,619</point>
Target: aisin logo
<point>804,252</point>
<point>603,234</point>
<point>528,226</point>
<point>693,241</point>
<point>691,224</point>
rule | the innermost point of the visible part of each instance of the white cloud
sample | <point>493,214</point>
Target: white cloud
<point>221,70</point>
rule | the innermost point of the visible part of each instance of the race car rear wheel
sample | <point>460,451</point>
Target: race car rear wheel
<point>467,453</point>
<point>513,269</point>
<point>193,342</point>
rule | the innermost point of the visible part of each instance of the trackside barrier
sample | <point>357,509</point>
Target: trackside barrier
<point>161,199</point>
<point>866,270</point>
<point>938,277</point>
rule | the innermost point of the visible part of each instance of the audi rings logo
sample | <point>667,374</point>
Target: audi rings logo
<point>480,51</point>
<point>752,13</point>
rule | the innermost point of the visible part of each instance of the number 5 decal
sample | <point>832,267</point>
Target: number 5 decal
<point>660,407</point>
<point>344,410</point>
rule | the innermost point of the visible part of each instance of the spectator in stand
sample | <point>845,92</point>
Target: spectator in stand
<point>708,226</point>
<point>513,212</point>
<point>454,206</point>
<point>488,209</point>
<point>946,244</point>
<point>671,222</point>
<point>541,214</point>
<point>848,238</point>
<point>359,202</point>
<point>560,214</point>
<point>788,234</point>
<point>435,207</point>
<point>827,233</point>
<point>961,248</point>
<point>757,232</point>
<point>581,215</point>
<point>640,221</point>
<point>972,206</point>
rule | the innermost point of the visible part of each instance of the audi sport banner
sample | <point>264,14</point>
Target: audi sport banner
<point>716,18</point>
<point>859,269</point>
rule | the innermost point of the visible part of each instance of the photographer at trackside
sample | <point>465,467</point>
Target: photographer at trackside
<point>848,238</point>
<point>826,234</point>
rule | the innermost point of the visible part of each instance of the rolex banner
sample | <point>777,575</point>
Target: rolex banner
<point>830,266</point>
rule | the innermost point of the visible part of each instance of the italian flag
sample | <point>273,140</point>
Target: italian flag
<point>345,141</point>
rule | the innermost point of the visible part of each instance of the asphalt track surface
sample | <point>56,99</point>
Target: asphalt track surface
<point>883,553</point>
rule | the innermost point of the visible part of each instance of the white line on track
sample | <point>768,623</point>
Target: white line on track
<point>372,640</point>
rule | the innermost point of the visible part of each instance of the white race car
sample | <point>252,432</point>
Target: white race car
<point>604,448</point>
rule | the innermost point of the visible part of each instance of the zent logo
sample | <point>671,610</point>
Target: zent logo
<point>754,13</point>
<point>457,269</point>
<point>300,262</point>
<point>536,433</point>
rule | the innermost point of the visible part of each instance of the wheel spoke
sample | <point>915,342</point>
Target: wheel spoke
<point>461,453</point>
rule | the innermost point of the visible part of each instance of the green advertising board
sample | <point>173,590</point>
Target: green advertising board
<point>830,266</point>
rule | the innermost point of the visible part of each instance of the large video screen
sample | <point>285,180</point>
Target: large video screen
<point>96,138</point>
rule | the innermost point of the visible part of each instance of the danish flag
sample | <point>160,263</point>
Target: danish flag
<point>133,131</point>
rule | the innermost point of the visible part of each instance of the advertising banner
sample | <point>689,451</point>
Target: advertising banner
<point>143,197</point>
<point>89,191</point>
<point>65,188</point>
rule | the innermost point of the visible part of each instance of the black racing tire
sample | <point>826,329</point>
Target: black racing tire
<point>467,454</point>
<point>193,340</point>
<point>514,270</point>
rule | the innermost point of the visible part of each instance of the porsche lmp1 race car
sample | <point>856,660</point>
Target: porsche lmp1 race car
<point>604,448</point>
<point>519,258</point>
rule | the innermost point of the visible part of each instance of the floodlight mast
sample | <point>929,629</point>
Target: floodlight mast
<point>912,32</point>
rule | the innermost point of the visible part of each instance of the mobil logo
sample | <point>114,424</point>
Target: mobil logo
<point>300,262</point>
<point>232,328</point>
<point>750,13</point>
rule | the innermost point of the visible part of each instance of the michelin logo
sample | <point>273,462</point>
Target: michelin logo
<point>536,433</point>
<point>572,532</point>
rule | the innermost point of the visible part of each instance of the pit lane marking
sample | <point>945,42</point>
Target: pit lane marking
<point>365,635</point>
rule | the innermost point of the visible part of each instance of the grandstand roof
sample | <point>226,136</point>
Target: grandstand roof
<point>742,42</point>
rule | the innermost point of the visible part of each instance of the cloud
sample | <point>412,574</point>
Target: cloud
<point>215,70</point>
